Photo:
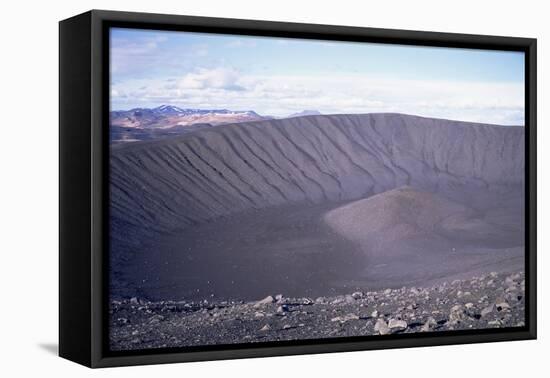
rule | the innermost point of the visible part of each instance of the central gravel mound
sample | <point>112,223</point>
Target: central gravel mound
<point>315,203</point>
<point>384,223</point>
<point>399,215</point>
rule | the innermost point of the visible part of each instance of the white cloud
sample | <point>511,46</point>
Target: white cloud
<point>217,78</point>
<point>280,95</point>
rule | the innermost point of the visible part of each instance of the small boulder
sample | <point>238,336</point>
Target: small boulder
<point>345,318</point>
<point>397,325</point>
<point>456,314</point>
<point>357,295</point>
<point>486,311</point>
<point>338,300</point>
<point>267,300</point>
<point>282,309</point>
<point>381,327</point>
<point>429,325</point>
<point>306,301</point>
<point>502,305</point>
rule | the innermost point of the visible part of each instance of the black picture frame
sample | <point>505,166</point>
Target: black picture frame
<point>83,181</point>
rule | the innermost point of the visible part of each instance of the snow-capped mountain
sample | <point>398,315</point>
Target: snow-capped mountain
<point>171,109</point>
<point>169,115</point>
<point>150,123</point>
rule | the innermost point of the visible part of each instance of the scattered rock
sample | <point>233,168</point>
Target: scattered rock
<point>502,305</point>
<point>472,311</point>
<point>349,299</point>
<point>345,318</point>
<point>381,327</point>
<point>486,311</point>
<point>428,325</point>
<point>306,302</point>
<point>267,300</point>
<point>513,279</point>
<point>156,319</point>
<point>357,295</point>
<point>397,325</point>
<point>282,309</point>
<point>338,300</point>
<point>456,314</point>
<point>139,324</point>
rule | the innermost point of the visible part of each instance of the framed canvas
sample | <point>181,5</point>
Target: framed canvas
<point>236,188</point>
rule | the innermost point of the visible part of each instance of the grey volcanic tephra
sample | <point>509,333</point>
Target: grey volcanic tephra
<point>315,205</point>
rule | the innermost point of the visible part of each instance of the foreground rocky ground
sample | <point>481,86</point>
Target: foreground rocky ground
<point>488,301</point>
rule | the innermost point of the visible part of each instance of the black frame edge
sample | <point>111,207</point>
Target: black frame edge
<point>75,80</point>
<point>323,31</point>
<point>432,340</point>
<point>531,124</point>
<point>97,101</point>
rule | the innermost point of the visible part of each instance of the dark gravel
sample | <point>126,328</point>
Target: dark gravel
<point>488,301</point>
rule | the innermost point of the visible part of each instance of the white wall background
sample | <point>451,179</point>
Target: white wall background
<point>29,189</point>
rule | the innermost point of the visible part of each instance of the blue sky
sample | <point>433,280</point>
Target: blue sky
<point>278,76</point>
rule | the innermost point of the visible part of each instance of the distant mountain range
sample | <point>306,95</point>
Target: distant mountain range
<point>305,113</point>
<point>169,116</point>
<point>151,123</point>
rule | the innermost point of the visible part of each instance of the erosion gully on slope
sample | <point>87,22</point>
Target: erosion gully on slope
<point>315,206</point>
